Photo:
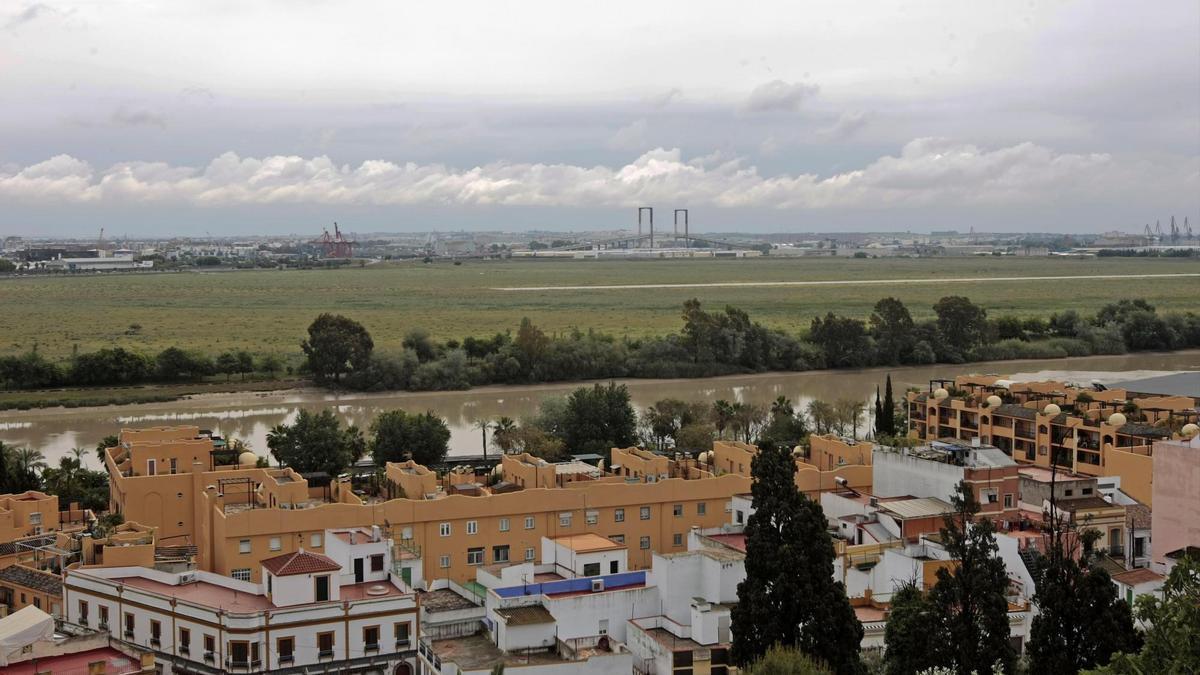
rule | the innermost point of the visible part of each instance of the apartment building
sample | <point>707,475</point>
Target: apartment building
<point>938,467</point>
<point>347,612</point>
<point>1091,431</point>
<point>27,514</point>
<point>849,462</point>
<point>1175,521</point>
<point>238,515</point>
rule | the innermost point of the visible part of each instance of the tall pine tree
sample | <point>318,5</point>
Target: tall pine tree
<point>880,423</point>
<point>1081,622</point>
<point>969,600</point>
<point>889,409</point>
<point>789,597</point>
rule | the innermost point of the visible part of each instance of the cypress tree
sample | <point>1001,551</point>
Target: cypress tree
<point>889,409</point>
<point>789,597</point>
<point>969,601</point>
<point>880,423</point>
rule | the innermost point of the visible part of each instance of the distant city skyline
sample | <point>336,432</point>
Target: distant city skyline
<point>282,116</point>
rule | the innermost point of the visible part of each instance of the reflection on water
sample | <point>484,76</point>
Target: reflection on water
<point>251,416</point>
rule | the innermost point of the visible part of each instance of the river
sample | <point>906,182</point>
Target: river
<point>249,416</point>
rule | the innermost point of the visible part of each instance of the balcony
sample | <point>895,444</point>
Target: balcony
<point>286,659</point>
<point>128,634</point>
<point>155,643</point>
<point>242,664</point>
<point>371,647</point>
<point>325,654</point>
<point>403,644</point>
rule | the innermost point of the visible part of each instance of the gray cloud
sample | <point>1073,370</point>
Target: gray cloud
<point>778,95</point>
<point>847,125</point>
<point>125,116</point>
<point>632,136</point>
<point>30,13</point>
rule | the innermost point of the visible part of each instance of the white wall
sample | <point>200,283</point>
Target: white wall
<point>579,616</point>
<point>894,474</point>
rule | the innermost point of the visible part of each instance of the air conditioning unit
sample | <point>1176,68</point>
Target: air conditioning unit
<point>597,585</point>
<point>187,578</point>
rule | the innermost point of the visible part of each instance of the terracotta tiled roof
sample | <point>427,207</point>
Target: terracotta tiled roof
<point>300,562</point>
<point>43,582</point>
<point>1137,576</point>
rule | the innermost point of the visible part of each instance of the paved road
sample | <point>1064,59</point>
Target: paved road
<point>842,282</point>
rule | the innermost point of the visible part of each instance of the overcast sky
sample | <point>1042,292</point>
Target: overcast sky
<point>160,117</point>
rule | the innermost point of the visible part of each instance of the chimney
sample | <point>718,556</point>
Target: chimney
<point>352,533</point>
<point>375,533</point>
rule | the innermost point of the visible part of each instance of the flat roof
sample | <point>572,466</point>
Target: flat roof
<point>202,593</point>
<point>1177,384</point>
<point>526,616</point>
<point>736,542</point>
<point>115,662</point>
<point>923,507</point>
<point>1137,576</point>
<point>587,543</point>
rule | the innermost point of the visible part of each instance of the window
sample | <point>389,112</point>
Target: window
<point>371,638</point>
<point>529,522</point>
<point>130,623</point>
<point>155,633</point>
<point>444,562</point>
<point>702,509</point>
<point>377,562</point>
<point>603,627</point>
<point>530,554</point>
<point>151,467</point>
<point>644,513</point>
<point>677,539</point>
<point>444,529</point>
<point>274,544</point>
<point>592,517</point>
<point>677,510</point>
<point>103,611</point>
<point>402,634</point>
<point>614,566</point>
<point>619,538</point>
<point>504,524</point>
<point>618,515</point>
<point>499,554</point>
<point>989,496</point>
<point>83,613</point>
<point>286,646</point>
<point>406,533</point>
<point>564,519</point>
<point>475,556</point>
<point>321,588</point>
<point>244,546</point>
<point>315,540</point>
<point>741,517</point>
<point>1087,491</point>
<point>210,646</point>
<point>1008,501</point>
<point>472,527</point>
<point>325,645</point>
<point>174,466</point>
<point>645,542</point>
<point>239,653</point>
<point>270,585</point>
<point>591,569</point>
<point>35,518</point>
<point>1068,493</point>
<point>241,574</point>
<point>185,640</point>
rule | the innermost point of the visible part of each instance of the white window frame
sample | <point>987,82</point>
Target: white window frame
<point>479,550</point>
<point>564,519</point>
<point>444,529</point>
<point>315,540</point>
<point>275,544</point>
<point>472,527</point>
<point>529,522</point>
<point>702,509</point>
<point>444,562</point>
<point>152,467</point>
<point>644,543</point>
<point>244,546</point>
<point>504,524</point>
<point>241,574</point>
<point>592,517</point>
<point>530,553</point>
<point>618,515</point>
<point>644,513</point>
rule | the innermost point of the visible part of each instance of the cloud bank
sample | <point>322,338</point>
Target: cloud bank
<point>926,172</point>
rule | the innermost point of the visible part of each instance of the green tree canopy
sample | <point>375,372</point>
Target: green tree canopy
<point>598,419</point>
<point>961,324</point>
<point>336,345</point>
<point>786,661</point>
<point>909,638</point>
<point>843,340</point>
<point>315,442</point>
<point>789,597</point>
<point>397,435</point>
<point>1172,627</point>
<point>893,330</point>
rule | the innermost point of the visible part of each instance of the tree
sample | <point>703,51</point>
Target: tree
<point>889,409</point>
<point>530,345</point>
<point>599,419</point>
<point>786,661</point>
<point>893,330</point>
<point>969,601</point>
<point>502,434</point>
<point>908,636</point>
<point>315,442</point>
<point>245,363</point>
<point>1172,625</point>
<point>227,364</point>
<point>784,427</point>
<point>722,416</point>
<point>667,417</point>
<point>104,444</point>
<point>270,364</point>
<point>695,437</point>
<point>21,470</point>
<point>110,366</point>
<point>843,340</point>
<point>397,435</point>
<point>418,342</point>
<point>961,324</point>
<point>174,363</point>
<point>789,597</point>
<point>336,345</point>
<point>822,415</point>
<point>878,414</point>
<point>1080,621</point>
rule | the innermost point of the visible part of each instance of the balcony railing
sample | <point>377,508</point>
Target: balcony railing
<point>325,654</point>
<point>286,659</point>
<point>371,647</point>
<point>243,664</point>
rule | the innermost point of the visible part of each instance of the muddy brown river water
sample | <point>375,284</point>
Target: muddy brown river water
<point>250,415</point>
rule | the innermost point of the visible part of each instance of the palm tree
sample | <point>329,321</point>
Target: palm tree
<point>781,407</point>
<point>723,414</point>
<point>30,460</point>
<point>483,425</point>
<point>502,434</point>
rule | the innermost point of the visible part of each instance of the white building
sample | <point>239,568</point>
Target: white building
<point>111,263</point>
<point>349,613</point>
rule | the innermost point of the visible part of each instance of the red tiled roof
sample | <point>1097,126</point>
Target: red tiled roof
<point>1137,576</point>
<point>300,562</point>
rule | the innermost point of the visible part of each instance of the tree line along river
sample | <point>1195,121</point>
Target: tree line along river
<point>249,416</point>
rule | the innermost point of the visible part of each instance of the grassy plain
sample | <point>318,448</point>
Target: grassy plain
<point>267,311</point>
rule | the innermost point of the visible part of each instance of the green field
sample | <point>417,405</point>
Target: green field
<point>267,311</point>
